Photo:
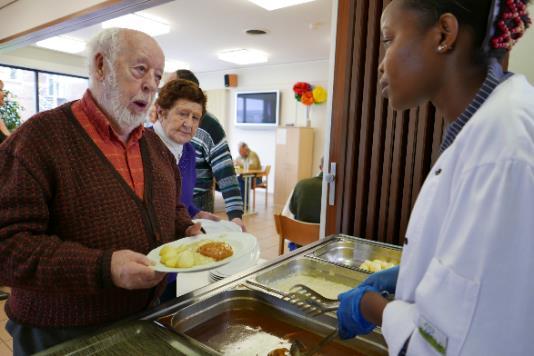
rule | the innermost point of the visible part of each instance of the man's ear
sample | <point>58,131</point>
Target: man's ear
<point>99,66</point>
<point>448,28</point>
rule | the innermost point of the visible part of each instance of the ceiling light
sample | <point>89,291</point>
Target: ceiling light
<point>243,56</point>
<point>171,65</point>
<point>278,4</point>
<point>63,44</point>
<point>150,26</point>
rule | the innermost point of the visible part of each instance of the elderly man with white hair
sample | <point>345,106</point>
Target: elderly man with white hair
<point>85,194</point>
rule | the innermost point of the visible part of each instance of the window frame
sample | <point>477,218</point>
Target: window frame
<point>36,73</point>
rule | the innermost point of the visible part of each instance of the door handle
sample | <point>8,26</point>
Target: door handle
<point>330,178</point>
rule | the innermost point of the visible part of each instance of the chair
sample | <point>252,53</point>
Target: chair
<point>264,185</point>
<point>299,232</point>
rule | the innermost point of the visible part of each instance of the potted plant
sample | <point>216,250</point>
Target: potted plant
<point>9,112</point>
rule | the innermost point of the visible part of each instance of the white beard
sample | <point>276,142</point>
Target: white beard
<point>110,100</point>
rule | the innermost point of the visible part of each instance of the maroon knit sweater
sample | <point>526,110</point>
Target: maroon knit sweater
<point>64,209</point>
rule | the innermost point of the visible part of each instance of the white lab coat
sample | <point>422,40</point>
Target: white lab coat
<point>467,271</point>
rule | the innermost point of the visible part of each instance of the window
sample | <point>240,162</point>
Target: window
<point>56,89</point>
<point>38,91</point>
<point>21,83</point>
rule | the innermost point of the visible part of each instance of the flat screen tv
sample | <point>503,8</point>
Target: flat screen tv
<point>257,109</point>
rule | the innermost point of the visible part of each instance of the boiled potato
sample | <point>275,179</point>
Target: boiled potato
<point>171,261</point>
<point>186,259</point>
<point>184,256</point>
<point>201,259</point>
<point>172,249</point>
<point>375,265</point>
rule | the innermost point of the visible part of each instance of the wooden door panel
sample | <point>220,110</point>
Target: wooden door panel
<point>382,156</point>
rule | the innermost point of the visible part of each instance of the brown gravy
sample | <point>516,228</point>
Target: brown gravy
<point>233,325</point>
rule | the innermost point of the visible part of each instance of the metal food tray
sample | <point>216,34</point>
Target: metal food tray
<point>132,338</point>
<point>197,321</point>
<point>351,252</point>
<point>310,268</point>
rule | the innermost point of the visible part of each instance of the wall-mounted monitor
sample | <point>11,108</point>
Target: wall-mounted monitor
<point>257,108</point>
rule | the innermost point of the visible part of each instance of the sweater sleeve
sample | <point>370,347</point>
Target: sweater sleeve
<point>182,219</point>
<point>222,166</point>
<point>30,256</point>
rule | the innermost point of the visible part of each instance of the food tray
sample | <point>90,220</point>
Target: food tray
<point>351,252</point>
<point>310,270</point>
<point>133,338</point>
<point>230,319</point>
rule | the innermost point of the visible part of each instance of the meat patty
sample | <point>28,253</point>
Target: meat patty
<point>216,250</point>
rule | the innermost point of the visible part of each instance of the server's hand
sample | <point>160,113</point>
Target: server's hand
<point>349,317</point>
<point>385,280</point>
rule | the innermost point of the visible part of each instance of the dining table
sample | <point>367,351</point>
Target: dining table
<point>247,175</point>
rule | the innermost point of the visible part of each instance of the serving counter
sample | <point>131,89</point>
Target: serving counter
<point>248,313</point>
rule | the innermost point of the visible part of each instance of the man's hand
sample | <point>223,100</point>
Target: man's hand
<point>239,222</point>
<point>206,215</point>
<point>130,270</point>
<point>193,230</point>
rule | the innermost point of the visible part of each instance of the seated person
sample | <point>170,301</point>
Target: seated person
<point>304,203</point>
<point>247,160</point>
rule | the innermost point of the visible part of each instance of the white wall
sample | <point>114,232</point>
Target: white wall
<point>523,53</point>
<point>23,15</point>
<point>280,77</point>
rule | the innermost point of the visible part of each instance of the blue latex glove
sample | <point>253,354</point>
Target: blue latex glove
<point>385,280</point>
<point>349,318</point>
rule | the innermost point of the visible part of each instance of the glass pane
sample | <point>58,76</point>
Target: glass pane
<point>21,83</point>
<point>56,89</point>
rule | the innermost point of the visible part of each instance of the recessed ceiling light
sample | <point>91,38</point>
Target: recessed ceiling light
<point>63,44</point>
<point>171,65</point>
<point>278,4</point>
<point>243,56</point>
<point>150,26</point>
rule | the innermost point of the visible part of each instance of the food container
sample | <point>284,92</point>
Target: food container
<point>244,322</point>
<point>325,278</point>
<point>351,252</point>
<point>131,338</point>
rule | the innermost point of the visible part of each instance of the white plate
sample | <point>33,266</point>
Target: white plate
<point>242,244</point>
<point>211,226</point>
<point>239,264</point>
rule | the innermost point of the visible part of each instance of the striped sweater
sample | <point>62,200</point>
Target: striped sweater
<point>214,160</point>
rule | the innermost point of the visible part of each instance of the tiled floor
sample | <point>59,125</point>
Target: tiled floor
<point>260,225</point>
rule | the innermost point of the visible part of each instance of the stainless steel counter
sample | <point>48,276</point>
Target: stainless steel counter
<point>335,258</point>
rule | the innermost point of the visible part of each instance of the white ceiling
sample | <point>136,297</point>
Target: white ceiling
<point>201,28</point>
<point>4,3</point>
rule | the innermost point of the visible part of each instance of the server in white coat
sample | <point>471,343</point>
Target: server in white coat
<point>465,282</point>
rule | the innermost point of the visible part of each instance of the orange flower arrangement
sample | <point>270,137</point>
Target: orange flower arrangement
<point>308,95</point>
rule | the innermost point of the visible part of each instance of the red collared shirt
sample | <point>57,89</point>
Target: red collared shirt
<point>126,158</point>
